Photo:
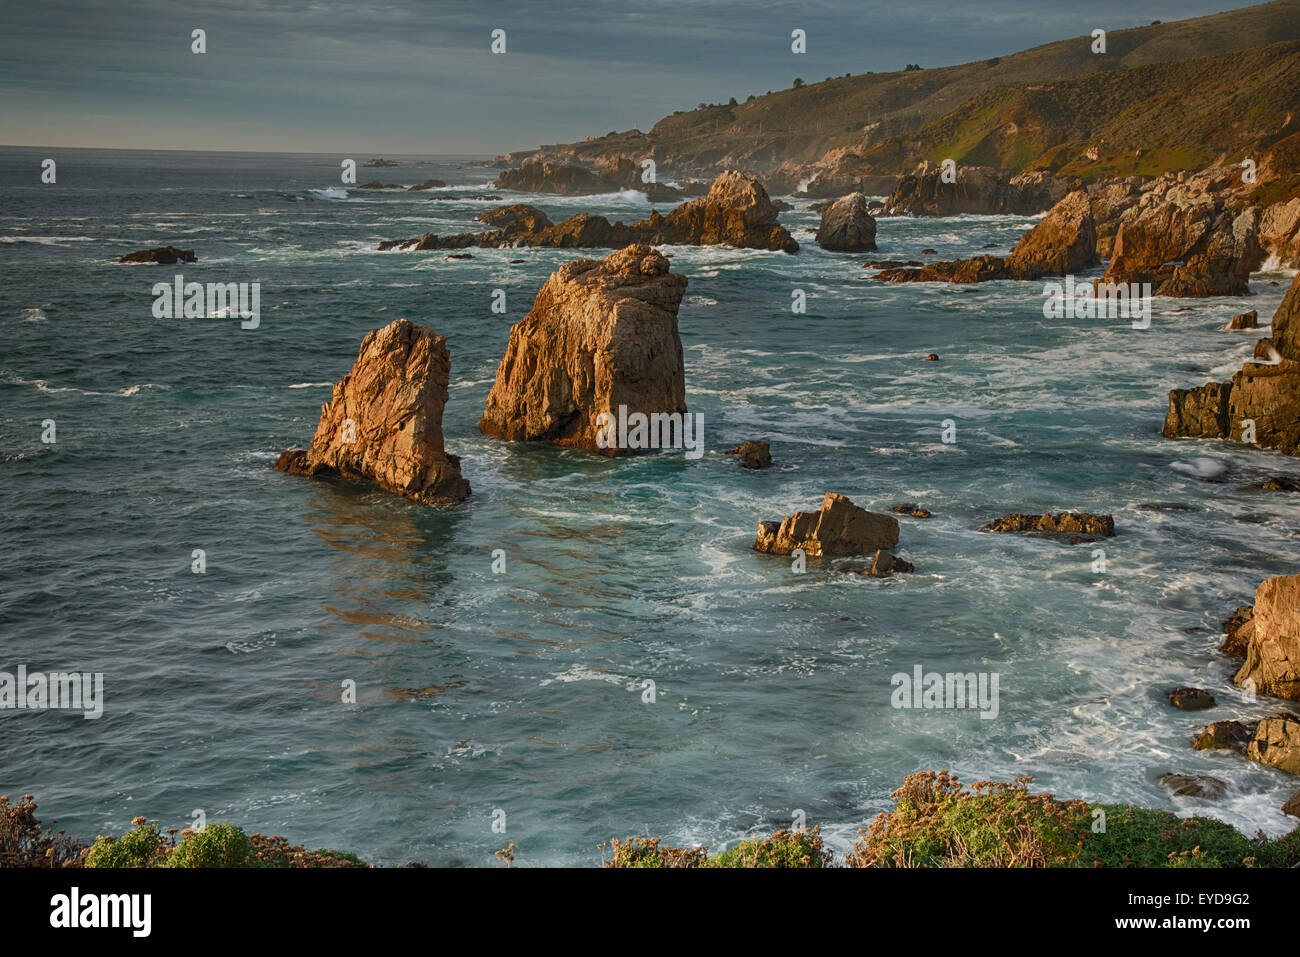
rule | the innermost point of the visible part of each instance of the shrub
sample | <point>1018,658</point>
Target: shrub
<point>143,847</point>
<point>217,845</point>
<point>24,843</point>
<point>782,849</point>
<point>648,852</point>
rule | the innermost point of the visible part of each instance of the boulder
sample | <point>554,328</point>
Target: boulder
<point>838,528</point>
<point>1073,527</point>
<point>1273,642</point>
<point>1224,735</point>
<point>846,226</point>
<point>1292,806</point>
<point>601,334</point>
<point>910,508</point>
<point>1245,320</point>
<point>1190,699</point>
<point>1276,742</point>
<point>427,184</point>
<point>163,255</point>
<point>753,455</point>
<point>886,563</point>
<point>383,422</point>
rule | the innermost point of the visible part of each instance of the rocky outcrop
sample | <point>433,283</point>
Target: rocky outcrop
<point>911,509</point>
<point>736,212</point>
<point>427,184</point>
<point>976,189</point>
<point>1187,234</point>
<point>163,255</point>
<point>1237,631</point>
<point>1194,785</point>
<point>846,226</point>
<point>1276,742</point>
<point>601,334</point>
<point>375,184</point>
<point>1264,395</point>
<point>535,176</point>
<point>1272,663</point>
<point>885,563</point>
<point>838,528</point>
<point>1062,243</point>
<point>1279,233</point>
<point>383,422</point>
<point>1073,527</point>
<point>1244,320</point>
<point>753,455</point>
<point>1224,736</point>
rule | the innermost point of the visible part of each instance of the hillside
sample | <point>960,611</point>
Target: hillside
<point>799,126</point>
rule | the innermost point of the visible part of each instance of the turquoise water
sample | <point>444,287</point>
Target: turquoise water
<point>223,689</point>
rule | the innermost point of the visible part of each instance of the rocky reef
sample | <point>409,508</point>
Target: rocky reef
<point>836,529</point>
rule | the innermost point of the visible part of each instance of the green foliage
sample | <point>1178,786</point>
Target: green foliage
<point>782,849</point>
<point>217,845</point>
<point>143,847</point>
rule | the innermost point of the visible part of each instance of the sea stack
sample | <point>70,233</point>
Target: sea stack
<point>847,226</point>
<point>384,421</point>
<point>838,528</point>
<point>601,337</point>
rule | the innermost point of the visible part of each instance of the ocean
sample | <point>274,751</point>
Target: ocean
<point>513,707</point>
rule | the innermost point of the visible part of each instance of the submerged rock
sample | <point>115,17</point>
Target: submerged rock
<point>601,334</point>
<point>753,455</point>
<point>383,422</point>
<point>163,255</point>
<point>837,529</point>
<point>910,508</point>
<point>1194,785</point>
<point>846,226</point>
<point>375,184</point>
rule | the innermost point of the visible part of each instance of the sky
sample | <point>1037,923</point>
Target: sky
<point>418,76</point>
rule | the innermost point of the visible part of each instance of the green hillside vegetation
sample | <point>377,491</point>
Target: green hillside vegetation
<point>802,124</point>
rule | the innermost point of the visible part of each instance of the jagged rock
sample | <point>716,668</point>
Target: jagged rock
<point>536,176</point>
<point>736,212</point>
<point>1200,413</point>
<point>1276,742</point>
<point>1245,320</point>
<point>1190,699</point>
<point>886,563</point>
<point>383,422</point>
<point>1073,527</point>
<point>163,255</point>
<point>1224,735</point>
<point>847,226</point>
<point>1238,630</point>
<point>1110,200</point>
<point>1292,806</point>
<point>427,184</point>
<point>838,528</point>
<point>601,334</point>
<point>1063,242</point>
<point>978,189</point>
<point>1285,332</point>
<point>1194,785</point>
<point>753,455</point>
<point>1279,232</point>
<point>1186,235</point>
<point>1273,645</point>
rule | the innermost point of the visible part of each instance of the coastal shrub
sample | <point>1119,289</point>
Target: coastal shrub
<point>217,845</point>
<point>650,852</point>
<point>24,843</point>
<point>1139,837</point>
<point>143,847</point>
<point>938,823</point>
<point>782,849</point>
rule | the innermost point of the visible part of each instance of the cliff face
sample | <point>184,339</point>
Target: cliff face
<point>601,334</point>
<point>384,420</point>
<point>1273,651</point>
